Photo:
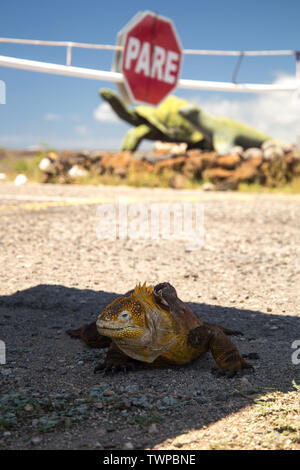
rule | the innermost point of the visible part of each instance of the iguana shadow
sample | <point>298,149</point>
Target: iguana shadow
<point>33,324</point>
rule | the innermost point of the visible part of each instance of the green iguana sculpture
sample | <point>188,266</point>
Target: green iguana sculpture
<point>175,120</point>
<point>152,326</point>
<point>162,123</point>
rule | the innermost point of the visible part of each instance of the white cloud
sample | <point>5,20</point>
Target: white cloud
<point>277,114</point>
<point>82,130</point>
<point>52,117</point>
<point>104,113</point>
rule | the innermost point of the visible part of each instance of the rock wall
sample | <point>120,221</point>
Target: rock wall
<point>270,165</point>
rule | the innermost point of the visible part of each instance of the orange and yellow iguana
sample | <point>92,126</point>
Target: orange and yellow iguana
<point>152,325</point>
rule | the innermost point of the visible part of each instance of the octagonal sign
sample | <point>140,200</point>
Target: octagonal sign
<point>150,58</point>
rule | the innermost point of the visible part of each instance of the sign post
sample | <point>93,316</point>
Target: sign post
<point>150,58</point>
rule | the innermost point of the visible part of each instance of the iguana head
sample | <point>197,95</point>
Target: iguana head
<point>108,94</point>
<point>143,325</point>
<point>130,317</point>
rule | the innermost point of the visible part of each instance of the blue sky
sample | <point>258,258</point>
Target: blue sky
<point>61,110</point>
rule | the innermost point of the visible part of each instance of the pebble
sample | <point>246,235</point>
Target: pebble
<point>20,180</point>
<point>128,446</point>
<point>178,444</point>
<point>36,440</point>
<point>237,149</point>
<point>268,144</point>
<point>132,388</point>
<point>98,405</point>
<point>47,165</point>
<point>245,382</point>
<point>108,393</point>
<point>221,396</point>
<point>77,172</point>
<point>153,428</point>
<point>252,153</point>
<point>208,187</point>
<point>273,153</point>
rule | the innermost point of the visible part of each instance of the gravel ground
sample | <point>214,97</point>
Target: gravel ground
<point>56,274</point>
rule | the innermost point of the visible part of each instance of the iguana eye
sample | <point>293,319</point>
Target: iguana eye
<point>124,315</point>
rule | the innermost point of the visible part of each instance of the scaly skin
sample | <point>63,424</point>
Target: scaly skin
<point>155,327</point>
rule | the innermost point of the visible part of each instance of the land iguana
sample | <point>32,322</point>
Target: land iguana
<point>153,327</point>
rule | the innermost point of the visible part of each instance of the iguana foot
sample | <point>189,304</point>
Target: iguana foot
<point>212,338</point>
<point>252,355</point>
<point>239,372</point>
<point>113,369</point>
<point>166,296</point>
<point>116,361</point>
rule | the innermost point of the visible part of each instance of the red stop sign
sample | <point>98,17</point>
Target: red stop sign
<point>151,58</point>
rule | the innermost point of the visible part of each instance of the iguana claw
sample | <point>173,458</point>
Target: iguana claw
<point>232,373</point>
<point>110,369</point>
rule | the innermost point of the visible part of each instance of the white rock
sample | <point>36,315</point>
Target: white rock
<point>252,152</point>
<point>2,176</point>
<point>169,147</point>
<point>47,165</point>
<point>52,156</point>
<point>237,149</point>
<point>267,144</point>
<point>36,440</point>
<point>77,172</point>
<point>208,187</point>
<point>273,153</point>
<point>287,147</point>
<point>128,446</point>
<point>20,179</point>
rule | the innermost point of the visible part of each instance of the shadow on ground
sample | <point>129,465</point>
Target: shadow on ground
<point>148,406</point>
